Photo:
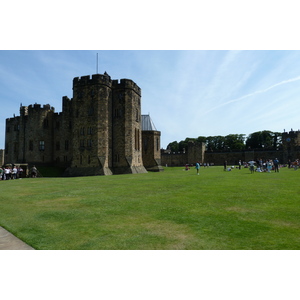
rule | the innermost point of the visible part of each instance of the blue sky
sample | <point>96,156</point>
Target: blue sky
<point>188,93</point>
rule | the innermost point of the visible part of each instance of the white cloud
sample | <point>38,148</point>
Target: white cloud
<point>254,93</point>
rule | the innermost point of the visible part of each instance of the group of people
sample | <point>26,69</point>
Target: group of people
<point>267,165</point>
<point>257,166</point>
<point>294,164</point>
<point>15,172</point>
<point>8,172</point>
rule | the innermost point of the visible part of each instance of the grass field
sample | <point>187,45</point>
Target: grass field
<point>174,209</point>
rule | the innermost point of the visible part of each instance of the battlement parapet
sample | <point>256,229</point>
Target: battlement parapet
<point>12,120</point>
<point>127,84</point>
<point>95,79</point>
<point>38,107</point>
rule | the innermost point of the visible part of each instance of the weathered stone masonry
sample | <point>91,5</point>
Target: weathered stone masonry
<point>98,132</point>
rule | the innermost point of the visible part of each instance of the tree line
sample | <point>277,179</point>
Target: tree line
<point>233,142</point>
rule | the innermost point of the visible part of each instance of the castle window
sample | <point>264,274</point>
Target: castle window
<point>15,147</point>
<point>7,129</point>
<point>89,159</point>
<point>137,115</point>
<point>57,125</point>
<point>118,112</point>
<point>57,146</point>
<point>81,159</point>
<point>66,145</point>
<point>157,144</point>
<point>42,146</point>
<point>89,130</point>
<point>30,145</point>
<point>17,127</point>
<point>137,139</point>
<point>82,131</point>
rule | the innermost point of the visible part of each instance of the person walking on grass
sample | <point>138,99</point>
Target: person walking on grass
<point>276,165</point>
<point>197,167</point>
<point>269,165</point>
<point>251,166</point>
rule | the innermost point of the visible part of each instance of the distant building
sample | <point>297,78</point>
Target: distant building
<point>100,131</point>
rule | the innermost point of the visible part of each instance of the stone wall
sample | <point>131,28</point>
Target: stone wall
<point>196,153</point>
<point>98,132</point>
<point>232,158</point>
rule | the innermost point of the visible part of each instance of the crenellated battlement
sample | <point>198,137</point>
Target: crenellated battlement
<point>37,107</point>
<point>26,110</point>
<point>127,84</point>
<point>91,80</point>
<point>23,110</point>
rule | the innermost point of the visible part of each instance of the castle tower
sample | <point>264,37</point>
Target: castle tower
<point>127,128</point>
<point>91,143</point>
<point>29,137</point>
<point>107,129</point>
<point>291,145</point>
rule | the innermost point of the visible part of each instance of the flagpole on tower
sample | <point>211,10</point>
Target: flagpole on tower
<point>97,65</point>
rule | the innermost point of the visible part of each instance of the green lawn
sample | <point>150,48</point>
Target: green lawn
<point>174,209</point>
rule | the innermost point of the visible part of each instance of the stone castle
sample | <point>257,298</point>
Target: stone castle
<point>100,131</point>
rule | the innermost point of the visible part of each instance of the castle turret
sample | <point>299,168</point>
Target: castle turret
<point>151,145</point>
<point>29,137</point>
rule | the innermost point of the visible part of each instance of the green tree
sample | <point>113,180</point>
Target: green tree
<point>215,143</point>
<point>201,139</point>
<point>260,139</point>
<point>183,145</point>
<point>173,146</point>
<point>234,142</point>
